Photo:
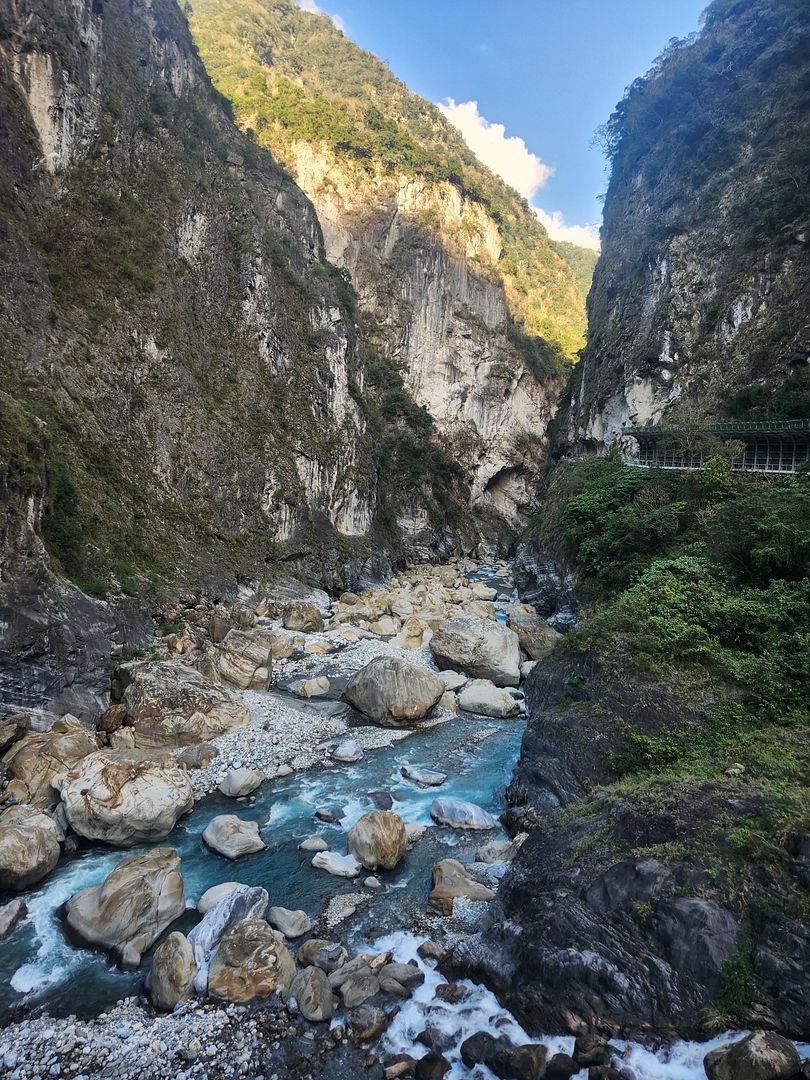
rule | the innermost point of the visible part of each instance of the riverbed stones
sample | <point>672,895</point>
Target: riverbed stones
<point>336,864</point>
<point>460,814</point>
<point>393,692</point>
<point>312,992</point>
<point>33,761</point>
<point>170,704</point>
<point>452,680</point>
<point>291,924</point>
<point>450,881</point>
<point>252,961</point>
<point>348,751</point>
<point>484,698</point>
<point>124,802</point>
<point>232,837</point>
<point>132,907</point>
<point>355,982</point>
<point>481,648</point>
<point>378,839</point>
<point>302,616</point>
<point>423,777</point>
<point>240,782</point>
<point>763,1055</point>
<point>171,977</point>
<point>29,846</point>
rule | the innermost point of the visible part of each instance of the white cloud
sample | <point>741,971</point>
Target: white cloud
<point>506,155</point>
<point>312,9</point>
<point>584,235</point>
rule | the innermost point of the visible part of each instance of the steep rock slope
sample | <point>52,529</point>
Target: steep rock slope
<point>700,299</point>
<point>458,282</point>
<point>181,379</point>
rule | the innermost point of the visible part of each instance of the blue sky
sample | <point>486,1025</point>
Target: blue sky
<point>549,71</point>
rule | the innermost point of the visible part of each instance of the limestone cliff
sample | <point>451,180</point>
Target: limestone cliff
<point>701,295</point>
<point>457,281</point>
<point>183,388</point>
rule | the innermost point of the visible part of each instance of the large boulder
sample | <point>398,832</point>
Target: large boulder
<point>459,814</point>
<point>291,924</point>
<point>536,637</point>
<point>252,961</point>
<point>211,897</point>
<point>240,903</point>
<point>392,692</point>
<point>244,659</point>
<point>302,616</point>
<point>378,839</point>
<point>336,864</point>
<point>172,705</point>
<point>486,699</point>
<point>240,782</point>
<point>763,1055</point>
<point>29,846</point>
<point>312,992</point>
<point>171,977</point>
<point>33,761</point>
<point>450,881</point>
<point>481,648</point>
<point>132,907</point>
<point>230,836</point>
<point>124,802</point>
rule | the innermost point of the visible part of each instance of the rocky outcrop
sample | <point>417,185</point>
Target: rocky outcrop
<point>704,245</point>
<point>392,692</point>
<point>33,762</point>
<point>480,648</point>
<point>122,801</point>
<point>760,1056</point>
<point>613,915</point>
<point>132,907</point>
<point>29,846</point>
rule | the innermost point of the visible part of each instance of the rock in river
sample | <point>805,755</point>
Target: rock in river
<point>291,924</point>
<point>534,633</point>
<point>171,977</point>
<point>243,902</point>
<point>29,846</point>
<point>124,802</point>
<point>348,751</point>
<point>240,782</point>
<point>132,907</point>
<point>459,814</point>
<point>482,648</point>
<point>251,961</point>
<point>211,897</point>
<point>393,692</point>
<point>764,1055</point>
<point>451,880</point>
<point>484,698</point>
<point>378,839</point>
<point>312,991</point>
<point>424,777</point>
<point>339,865</point>
<point>230,836</point>
<point>170,704</point>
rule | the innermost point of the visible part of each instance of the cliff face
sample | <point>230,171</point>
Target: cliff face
<point>183,389</point>
<point>700,297</point>
<point>458,283</point>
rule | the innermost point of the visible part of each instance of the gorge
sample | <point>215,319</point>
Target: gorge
<point>322,568</point>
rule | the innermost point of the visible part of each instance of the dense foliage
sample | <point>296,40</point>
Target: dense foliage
<point>293,77</point>
<point>703,578</point>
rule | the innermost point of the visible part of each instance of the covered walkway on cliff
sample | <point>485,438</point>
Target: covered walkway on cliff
<point>772,446</point>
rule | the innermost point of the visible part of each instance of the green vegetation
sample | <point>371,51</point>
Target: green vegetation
<point>581,260</point>
<point>292,77</point>
<point>703,581</point>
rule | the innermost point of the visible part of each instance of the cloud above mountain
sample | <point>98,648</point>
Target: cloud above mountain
<point>514,162</point>
<point>313,9</point>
